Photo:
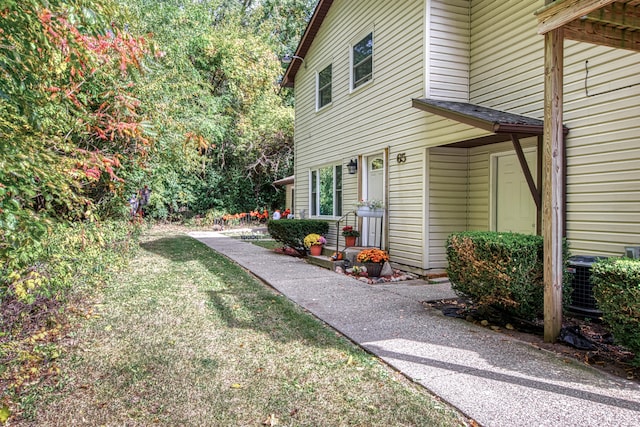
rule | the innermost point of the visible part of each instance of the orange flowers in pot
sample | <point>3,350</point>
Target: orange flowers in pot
<point>372,255</point>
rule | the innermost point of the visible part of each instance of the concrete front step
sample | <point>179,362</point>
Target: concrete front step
<point>324,261</point>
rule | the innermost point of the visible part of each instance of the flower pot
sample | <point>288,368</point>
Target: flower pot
<point>315,250</point>
<point>373,268</point>
<point>350,241</point>
<point>366,211</point>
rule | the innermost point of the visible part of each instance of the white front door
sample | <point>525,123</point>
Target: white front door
<point>373,189</point>
<point>514,207</point>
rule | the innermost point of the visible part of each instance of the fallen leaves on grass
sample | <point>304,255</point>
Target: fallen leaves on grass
<point>271,420</point>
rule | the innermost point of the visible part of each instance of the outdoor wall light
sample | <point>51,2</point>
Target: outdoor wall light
<point>288,59</point>
<point>352,166</point>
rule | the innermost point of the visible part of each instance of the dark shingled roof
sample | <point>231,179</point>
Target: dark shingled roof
<point>489,119</point>
<point>502,125</point>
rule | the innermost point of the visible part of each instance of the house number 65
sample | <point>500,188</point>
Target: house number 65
<point>401,157</point>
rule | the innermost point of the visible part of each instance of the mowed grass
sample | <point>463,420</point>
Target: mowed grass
<point>187,338</point>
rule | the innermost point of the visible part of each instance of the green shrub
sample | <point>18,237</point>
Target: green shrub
<point>40,290</point>
<point>70,259</point>
<point>617,290</point>
<point>502,270</point>
<point>291,232</point>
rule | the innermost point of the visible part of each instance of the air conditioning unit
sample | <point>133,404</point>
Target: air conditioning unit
<point>582,300</point>
<point>632,252</point>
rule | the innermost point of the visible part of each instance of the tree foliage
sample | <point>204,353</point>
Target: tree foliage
<point>69,124</point>
<point>223,126</point>
<point>90,110</point>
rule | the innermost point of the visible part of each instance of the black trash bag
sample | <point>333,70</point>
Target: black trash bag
<point>572,336</point>
<point>453,312</point>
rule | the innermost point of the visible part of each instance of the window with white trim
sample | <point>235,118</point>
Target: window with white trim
<point>362,61</point>
<point>326,191</point>
<point>323,87</point>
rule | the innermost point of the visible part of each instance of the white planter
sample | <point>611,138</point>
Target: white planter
<point>366,211</point>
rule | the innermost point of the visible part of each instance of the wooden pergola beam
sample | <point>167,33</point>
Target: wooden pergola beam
<point>625,15</point>
<point>559,13</point>
<point>591,31</point>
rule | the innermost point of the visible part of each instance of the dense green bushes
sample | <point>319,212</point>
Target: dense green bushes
<point>617,289</point>
<point>504,270</point>
<point>291,232</point>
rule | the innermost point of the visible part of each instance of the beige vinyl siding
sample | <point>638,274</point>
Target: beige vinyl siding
<point>603,154</point>
<point>448,188</point>
<point>448,50</point>
<point>507,69</point>
<point>372,117</point>
<point>406,205</point>
<point>288,192</point>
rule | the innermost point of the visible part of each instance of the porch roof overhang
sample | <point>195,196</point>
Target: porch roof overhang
<point>501,124</point>
<point>285,181</point>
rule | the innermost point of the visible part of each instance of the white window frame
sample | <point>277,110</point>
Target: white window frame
<point>357,40</point>
<point>314,205</point>
<point>318,88</point>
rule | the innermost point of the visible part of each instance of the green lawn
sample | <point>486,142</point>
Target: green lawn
<point>185,337</point>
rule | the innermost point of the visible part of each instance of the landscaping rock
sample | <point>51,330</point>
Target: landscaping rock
<point>386,270</point>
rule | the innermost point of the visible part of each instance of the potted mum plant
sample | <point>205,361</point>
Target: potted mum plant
<point>350,235</point>
<point>373,260</point>
<point>314,243</point>
<point>370,208</point>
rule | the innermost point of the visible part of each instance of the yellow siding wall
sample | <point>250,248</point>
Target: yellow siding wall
<point>448,192</point>
<point>373,117</point>
<point>603,153</point>
<point>288,196</point>
<point>448,50</point>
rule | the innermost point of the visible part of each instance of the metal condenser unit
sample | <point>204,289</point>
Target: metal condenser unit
<point>582,300</point>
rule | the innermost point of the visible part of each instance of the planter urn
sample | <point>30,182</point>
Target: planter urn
<point>350,241</point>
<point>367,212</point>
<point>373,268</point>
<point>315,250</point>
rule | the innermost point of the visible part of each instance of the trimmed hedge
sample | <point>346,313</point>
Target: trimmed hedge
<point>502,270</point>
<point>291,232</point>
<point>616,288</point>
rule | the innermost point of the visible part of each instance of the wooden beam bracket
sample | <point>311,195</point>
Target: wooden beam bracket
<point>535,192</point>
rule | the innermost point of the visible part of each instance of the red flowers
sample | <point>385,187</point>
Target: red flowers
<point>348,231</point>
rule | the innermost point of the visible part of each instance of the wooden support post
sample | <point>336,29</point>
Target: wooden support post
<point>539,162</point>
<point>553,183</point>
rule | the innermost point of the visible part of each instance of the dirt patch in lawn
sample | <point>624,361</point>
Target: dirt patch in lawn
<point>586,340</point>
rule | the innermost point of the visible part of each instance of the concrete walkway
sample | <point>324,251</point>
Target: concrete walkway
<point>490,377</point>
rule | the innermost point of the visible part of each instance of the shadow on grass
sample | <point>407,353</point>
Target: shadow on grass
<point>239,299</point>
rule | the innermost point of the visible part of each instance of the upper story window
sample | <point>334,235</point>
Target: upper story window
<point>323,85</point>
<point>326,191</point>
<point>362,61</point>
